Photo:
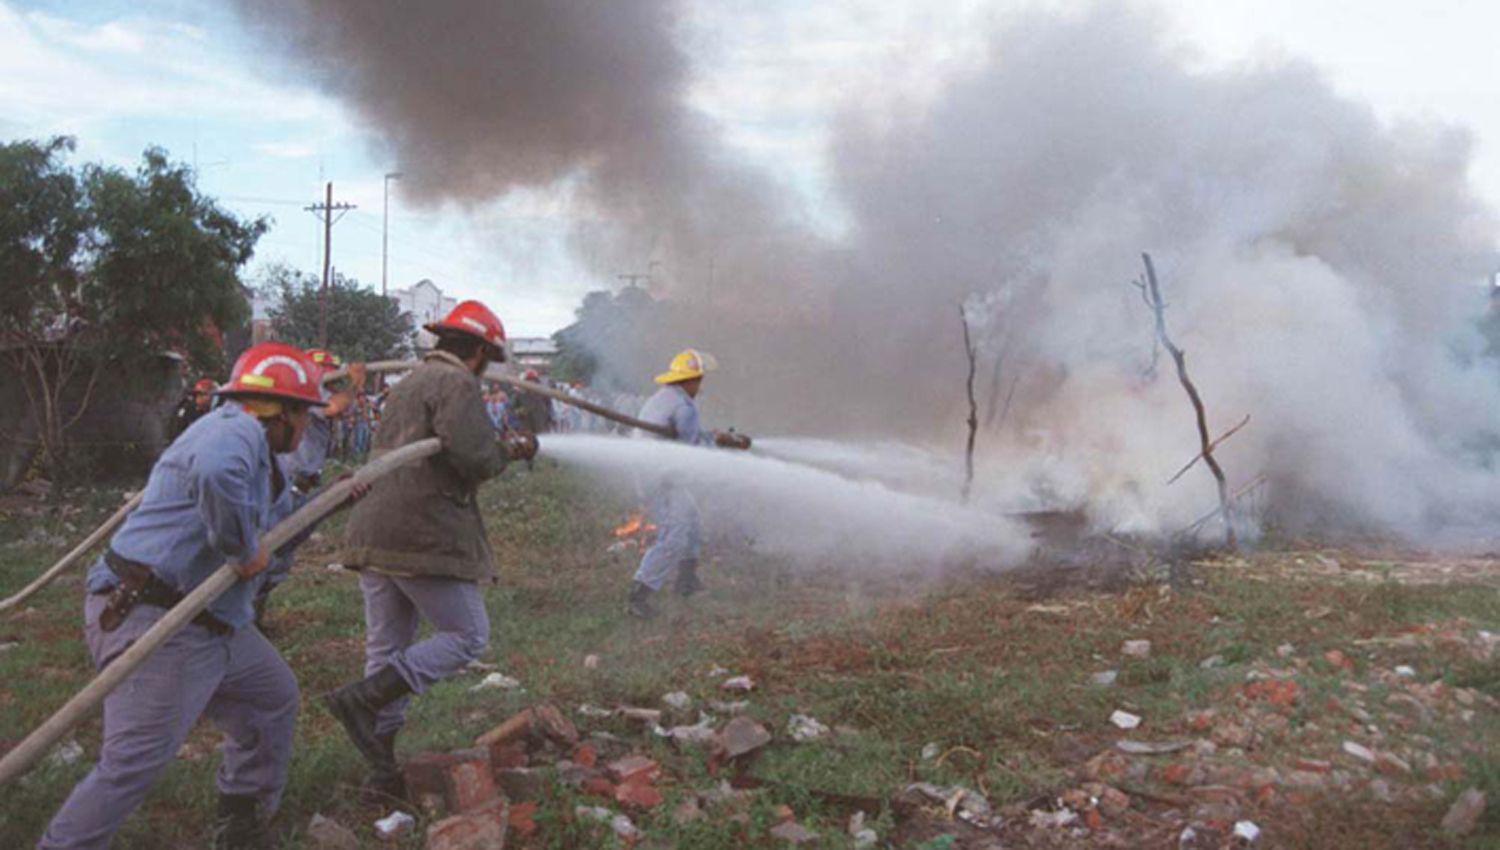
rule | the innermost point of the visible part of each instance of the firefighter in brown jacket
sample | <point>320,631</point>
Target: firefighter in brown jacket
<point>418,540</point>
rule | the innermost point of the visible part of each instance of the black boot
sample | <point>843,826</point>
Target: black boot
<point>356,704</point>
<point>687,579</point>
<point>640,601</point>
<point>238,825</point>
<point>386,783</point>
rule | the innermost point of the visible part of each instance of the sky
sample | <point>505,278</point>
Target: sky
<point>186,76</point>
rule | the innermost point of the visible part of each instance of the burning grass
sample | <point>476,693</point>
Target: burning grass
<point>981,681</point>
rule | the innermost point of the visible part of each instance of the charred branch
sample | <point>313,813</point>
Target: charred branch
<point>1179,358</point>
<point>973,421</point>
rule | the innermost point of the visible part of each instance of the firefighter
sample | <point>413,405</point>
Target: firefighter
<point>418,541</point>
<point>670,507</point>
<point>303,466</point>
<point>194,404</point>
<point>208,502</point>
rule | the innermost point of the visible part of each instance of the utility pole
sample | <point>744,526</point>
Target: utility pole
<point>630,279</point>
<point>385,230</point>
<point>327,209</point>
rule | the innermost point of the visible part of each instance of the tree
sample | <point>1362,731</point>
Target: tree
<point>101,268</point>
<point>362,325</point>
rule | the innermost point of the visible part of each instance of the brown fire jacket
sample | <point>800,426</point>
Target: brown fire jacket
<point>422,519</point>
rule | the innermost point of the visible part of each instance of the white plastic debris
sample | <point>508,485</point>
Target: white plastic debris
<point>803,728</point>
<point>1246,830</point>
<point>7,646</point>
<point>1044,819</point>
<point>738,683</point>
<point>1286,650</point>
<point>594,711</point>
<point>716,671</point>
<point>591,662</point>
<point>931,751</point>
<point>701,732</point>
<point>678,700</point>
<point>731,707</point>
<point>1406,671</point>
<point>621,824</point>
<point>394,824</point>
<point>68,753</point>
<point>497,680</point>
<point>477,666</point>
<point>1136,648</point>
<point>863,836</point>
<point>1211,662</point>
<point>1124,719</point>
<point>1105,678</point>
<point>334,568</point>
<point>1360,751</point>
<point>1187,837</point>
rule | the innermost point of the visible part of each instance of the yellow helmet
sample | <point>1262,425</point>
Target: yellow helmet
<point>689,363</point>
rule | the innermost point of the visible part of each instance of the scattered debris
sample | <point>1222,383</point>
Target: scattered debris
<point>497,680</point>
<point>1247,830</point>
<point>731,708</point>
<point>542,719</point>
<point>648,716</point>
<point>479,827</point>
<point>803,728</point>
<point>394,825</point>
<point>863,836</point>
<point>7,646</point>
<point>1124,719</point>
<point>741,736</point>
<point>738,683</point>
<point>1211,662</point>
<point>1105,678</point>
<point>1463,816</point>
<point>477,666</point>
<point>1405,671</point>
<point>678,700</point>
<point>700,733</point>
<point>1286,650</point>
<point>1044,819</point>
<point>69,752</point>
<point>622,825</point>
<point>1143,748</point>
<point>1359,751</point>
<point>931,751</point>
<point>1136,649</point>
<point>594,711</point>
<point>716,671</point>
<point>591,662</point>
<point>327,834</point>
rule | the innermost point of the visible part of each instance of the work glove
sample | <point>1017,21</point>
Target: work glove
<point>519,445</point>
<point>731,440</point>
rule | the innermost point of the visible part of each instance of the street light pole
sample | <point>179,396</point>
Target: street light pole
<point>385,231</point>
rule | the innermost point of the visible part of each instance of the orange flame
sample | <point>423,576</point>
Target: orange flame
<point>633,525</point>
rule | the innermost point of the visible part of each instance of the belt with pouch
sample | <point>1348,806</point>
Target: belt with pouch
<point>139,586</point>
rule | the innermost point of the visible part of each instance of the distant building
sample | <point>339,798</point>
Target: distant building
<point>261,304</point>
<point>533,352</point>
<point>425,302</point>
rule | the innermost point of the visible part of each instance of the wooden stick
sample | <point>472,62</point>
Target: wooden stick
<point>1211,446</point>
<point>27,753</point>
<point>973,420</point>
<point>76,554</point>
<point>1180,358</point>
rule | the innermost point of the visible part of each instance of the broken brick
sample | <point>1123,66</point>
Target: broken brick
<point>508,755</point>
<point>586,755</point>
<point>634,768</point>
<point>522,819</point>
<point>1177,773</point>
<point>598,786</point>
<point>640,795</point>
<point>1278,692</point>
<point>482,828</point>
<point>462,779</point>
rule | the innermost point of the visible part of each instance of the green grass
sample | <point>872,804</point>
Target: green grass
<point>962,663</point>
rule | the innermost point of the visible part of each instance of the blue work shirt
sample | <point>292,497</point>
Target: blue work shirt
<point>206,503</point>
<point>312,452</point>
<point>673,407</point>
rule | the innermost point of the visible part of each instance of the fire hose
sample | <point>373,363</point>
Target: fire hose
<point>26,754</point>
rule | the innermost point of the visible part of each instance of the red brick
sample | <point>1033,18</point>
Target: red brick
<point>481,828</point>
<point>470,785</point>
<point>1314,765</point>
<point>1093,820</point>
<point>598,786</point>
<point>586,755</point>
<point>508,754</point>
<point>1177,773</point>
<point>522,820</point>
<point>634,767</point>
<point>1338,659</point>
<point>462,778</point>
<point>640,795</point>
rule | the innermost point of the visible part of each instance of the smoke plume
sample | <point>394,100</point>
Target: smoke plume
<point>1322,268</point>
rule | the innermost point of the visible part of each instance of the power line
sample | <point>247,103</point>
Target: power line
<point>327,208</point>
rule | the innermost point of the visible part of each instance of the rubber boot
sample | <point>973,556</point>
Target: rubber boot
<point>640,601</point>
<point>386,783</point>
<point>687,579</point>
<point>238,825</point>
<point>356,704</point>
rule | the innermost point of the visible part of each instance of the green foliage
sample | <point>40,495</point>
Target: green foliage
<point>362,325</point>
<point>120,264</point>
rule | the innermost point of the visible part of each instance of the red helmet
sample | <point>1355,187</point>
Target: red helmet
<point>205,385</point>
<point>275,370</point>
<point>326,361</point>
<point>476,320</point>
<point>530,375</point>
